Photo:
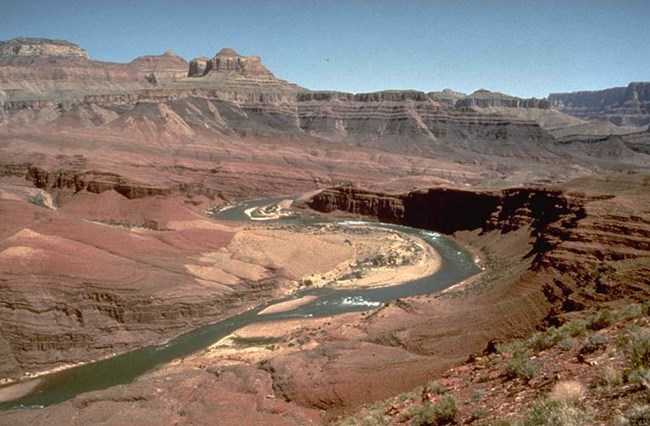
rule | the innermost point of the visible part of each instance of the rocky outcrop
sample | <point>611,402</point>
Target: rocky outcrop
<point>83,321</point>
<point>485,99</point>
<point>447,96</point>
<point>538,110</point>
<point>41,47</point>
<point>623,106</point>
<point>229,61</point>
<point>159,69</point>
<point>75,181</point>
<point>450,210</point>
<point>414,122</point>
<point>198,66</point>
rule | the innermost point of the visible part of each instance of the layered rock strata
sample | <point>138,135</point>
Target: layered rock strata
<point>39,69</point>
<point>623,106</point>
<point>485,99</point>
<point>41,46</point>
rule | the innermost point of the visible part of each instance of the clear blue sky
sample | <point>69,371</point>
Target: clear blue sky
<point>524,48</point>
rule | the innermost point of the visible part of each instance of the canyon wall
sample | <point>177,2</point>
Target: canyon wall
<point>55,323</point>
<point>37,70</point>
<point>51,86</point>
<point>623,106</point>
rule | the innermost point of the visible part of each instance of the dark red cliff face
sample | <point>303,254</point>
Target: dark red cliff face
<point>450,210</point>
<point>585,247</point>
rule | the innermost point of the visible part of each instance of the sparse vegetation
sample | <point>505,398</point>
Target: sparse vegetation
<point>545,340</point>
<point>477,413</point>
<point>569,392</point>
<point>437,388</point>
<point>609,377</point>
<point>442,412</point>
<point>553,413</point>
<point>499,422</point>
<point>256,341</point>
<point>639,355</point>
<point>522,367</point>
<point>594,343</point>
<point>602,319</point>
<point>615,345</point>
<point>574,328</point>
<point>562,337</point>
<point>639,416</point>
<point>38,200</point>
<point>514,346</point>
<point>476,395</point>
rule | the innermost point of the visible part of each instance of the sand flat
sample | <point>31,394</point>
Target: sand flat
<point>289,305</point>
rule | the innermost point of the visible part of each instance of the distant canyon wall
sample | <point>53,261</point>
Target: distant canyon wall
<point>623,106</point>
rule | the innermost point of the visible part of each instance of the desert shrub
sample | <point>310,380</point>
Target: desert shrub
<point>602,319</point>
<point>545,340</point>
<point>404,396</point>
<point>553,413</point>
<point>476,395</point>
<point>593,344</point>
<point>563,407</point>
<point>639,415</point>
<point>371,419</point>
<point>522,367</point>
<point>372,415</point>
<point>442,412</point>
<point>374,419</point>
<point>639,355</point>
<point>350,421</point>
<point>640,375</point>
<point>511,347</point>
<point>477,413</point>
<point>574,327</point>
<point>555,337</point>
<point>437,388</point>
<point>632,311</point>
<point>566,343</point>
<point>539,413</point>
<point>646,308</point>
<point>609,377</point>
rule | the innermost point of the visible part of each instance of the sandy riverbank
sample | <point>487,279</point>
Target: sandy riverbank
<point>289,305</point>
<point>381,257</point>
<point>17,390</point>
<point>325,255</point>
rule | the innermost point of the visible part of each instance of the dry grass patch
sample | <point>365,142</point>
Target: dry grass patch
<point>569,392</point>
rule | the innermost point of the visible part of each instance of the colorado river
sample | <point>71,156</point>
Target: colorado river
<point>457,265</point>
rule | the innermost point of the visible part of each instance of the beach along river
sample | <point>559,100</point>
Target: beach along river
<point>456,265</point>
